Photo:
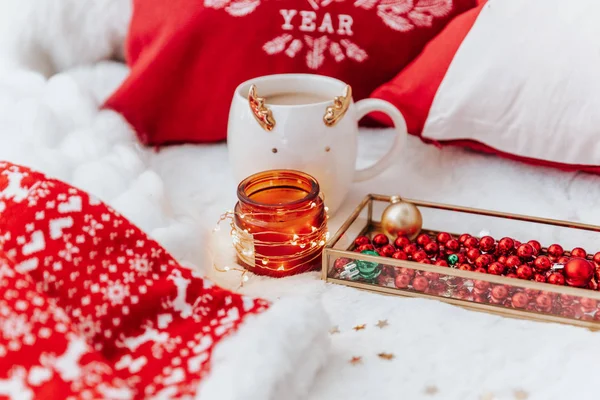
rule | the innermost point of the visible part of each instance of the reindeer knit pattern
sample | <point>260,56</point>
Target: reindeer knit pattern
<point>92,307</point>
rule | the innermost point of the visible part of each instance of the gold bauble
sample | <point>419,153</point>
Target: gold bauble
<point>401,218</point>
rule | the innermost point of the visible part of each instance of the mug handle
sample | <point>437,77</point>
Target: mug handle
<point>363,107</point>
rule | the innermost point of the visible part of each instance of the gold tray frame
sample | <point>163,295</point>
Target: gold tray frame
<point>371,225</point>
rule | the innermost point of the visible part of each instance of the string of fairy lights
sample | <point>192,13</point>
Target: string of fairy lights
<point>307,246</point>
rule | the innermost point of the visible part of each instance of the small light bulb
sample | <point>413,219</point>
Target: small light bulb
<point>245,278</point>
<point>302,245</point>
<point>313,205</point>
<point>264,262</point>
<point>294,243</point>
<point>326,209</point>
<point>327,236</point>
<point>314,229</point>
<point>242,216</point>
<point>313,244</point>
<point>295,237</point>
<point>217,228</point>
<point>226,268</point>
<point>280,268</point>
<point>321,243</point>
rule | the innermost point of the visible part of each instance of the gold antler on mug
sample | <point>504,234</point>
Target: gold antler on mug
<point>340,105</point>
<point>261,112</point>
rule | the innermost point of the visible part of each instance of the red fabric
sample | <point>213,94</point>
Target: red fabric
<point>188,56</point>
<point>412,91</point>
<point>93,308</point>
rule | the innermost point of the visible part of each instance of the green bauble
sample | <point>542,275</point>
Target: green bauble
<point>369,270</point>
<point>452,259</point>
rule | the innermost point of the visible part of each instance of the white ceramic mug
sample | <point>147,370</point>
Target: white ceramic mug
<point>319,138</point>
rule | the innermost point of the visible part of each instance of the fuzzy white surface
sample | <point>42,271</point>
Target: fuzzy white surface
<point>177,194</point>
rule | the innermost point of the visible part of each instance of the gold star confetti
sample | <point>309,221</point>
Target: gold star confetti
<point>382,323</point>
<point>334,330</point>
<point>360,327</point>
<point>521,394</point>
<point>355,360</point>
<point>386,356</point>
<point>487,396</point>
<point>431,390</point>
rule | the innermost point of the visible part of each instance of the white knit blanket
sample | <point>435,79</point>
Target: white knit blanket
<point>53,76</point>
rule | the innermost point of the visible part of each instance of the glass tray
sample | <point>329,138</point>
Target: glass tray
<point>472,290</point>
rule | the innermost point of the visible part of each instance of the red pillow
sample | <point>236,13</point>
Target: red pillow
<point>188,56</point>
<point>504,79</point>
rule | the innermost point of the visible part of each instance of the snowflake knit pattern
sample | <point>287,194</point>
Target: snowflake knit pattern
<point>93,308</point>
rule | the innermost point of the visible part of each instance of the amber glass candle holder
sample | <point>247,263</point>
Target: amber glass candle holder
<point>280,223</point>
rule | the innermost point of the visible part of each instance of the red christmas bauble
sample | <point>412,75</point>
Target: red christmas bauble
<point>419,255</point>
<point>441,263</point>
<point>502,260</point>
<point>563,260</point>
<point>506,245</point>
<point>437,288</point>
<point>471,243</point>
<point>461,258</point>
<point>499,292</point>
<point>525,252</point>
<point>496,268</point>
<point>423,239</point>
<point>578,272</point>
<point>380,240</point>
<point>364,247</point>
<point>420,283</point>
<point>566,299</point>
<point>359,241</point>
<point>452,246</point>
<point>387,250</point>
<point>443,237</point>
<point>400,255</point>
<point>463,237</point>
<point>431,248</point>
<point>539,278</point>
<point>472,254</point>
<point>542,263</point>
<point>402,281</point>
<point>465,267</point>
<point>410,249</point>
<point>597,258</point>
<point>520,300</point>
<point>543,302</point>
<point>578,252</point>
<point>524,272</point>
<point>487,243</point>
<point>588,305</point>
<point>463,294</point>
<point>480,269</point>
<point>401,242</point>
<point>482,261</point>
<point>477,298</point>
<point>340,263</point>
<point>537,247</point>
<point>555,250</point>
<point>407,271</point>
<point>556,278</point>
<point>432,276</point>
<point>481,285</point>
<point>513,261</point>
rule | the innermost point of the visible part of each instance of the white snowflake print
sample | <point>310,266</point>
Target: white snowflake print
<point>89,326</point>
<point>116,292</point>
<point>15,326</point>
<point>328,35</point>
<point>141,265</point>
<point>69,251</point>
